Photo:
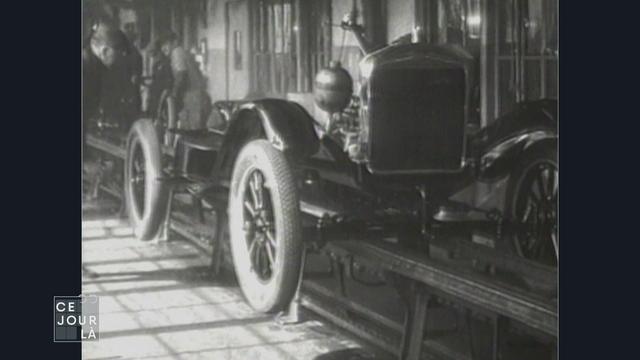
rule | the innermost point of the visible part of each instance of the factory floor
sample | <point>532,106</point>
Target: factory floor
<point>158,300</point>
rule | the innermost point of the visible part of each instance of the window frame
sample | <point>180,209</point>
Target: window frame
<point>492,98</point>
<point>294,55</point>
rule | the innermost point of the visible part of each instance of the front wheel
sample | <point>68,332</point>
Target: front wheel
<point>531,203</point>
<point>265,227</point>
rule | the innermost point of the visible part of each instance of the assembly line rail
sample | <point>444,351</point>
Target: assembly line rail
<point>115,147</point>
<point>511,302</point>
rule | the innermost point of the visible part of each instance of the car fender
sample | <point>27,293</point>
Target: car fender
<point>501,144</point>
<point>285,124</point>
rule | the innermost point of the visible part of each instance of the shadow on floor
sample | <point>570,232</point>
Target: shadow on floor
<point>196,275</point>
<point>348,354</point>
<point>186,327</point>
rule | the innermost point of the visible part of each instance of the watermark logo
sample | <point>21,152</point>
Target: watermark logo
<point>75,318</point>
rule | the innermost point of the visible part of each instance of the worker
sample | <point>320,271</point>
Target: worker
<point>120,94</point>
<point>133,68</point>
<point>191,100</point>
<point>161,78</point>
<point>105,46</point>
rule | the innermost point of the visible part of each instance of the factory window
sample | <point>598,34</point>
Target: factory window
<point>525,57</point>
<point>514,43</point>
<point>374,20</point>
<point>455,22</point>
<point>318,32</point>
<point>291,41</point>
<point>451,22</point>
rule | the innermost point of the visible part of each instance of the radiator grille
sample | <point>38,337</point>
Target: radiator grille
<point>416,120</point>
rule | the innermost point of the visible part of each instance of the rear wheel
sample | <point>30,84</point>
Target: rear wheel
<point>532,197</point>
<point>164,118</point>
<point>146,198</point>
<point>265,226</point>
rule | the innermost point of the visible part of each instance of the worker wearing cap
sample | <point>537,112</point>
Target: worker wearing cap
<point>191,99</point>
<point>120,98</point>
<point>105,46</point>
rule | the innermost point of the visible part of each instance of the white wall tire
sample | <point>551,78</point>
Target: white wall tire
<point>265,227</point>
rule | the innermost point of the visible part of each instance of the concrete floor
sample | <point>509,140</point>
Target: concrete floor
<point>158,301</point>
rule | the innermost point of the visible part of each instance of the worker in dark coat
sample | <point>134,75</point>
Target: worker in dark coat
<point>121,98</point>
<point>162,78</point>
<point>133,58</point>
<point>188,88</point>
<point>105,46</point>
<point>132,64</point>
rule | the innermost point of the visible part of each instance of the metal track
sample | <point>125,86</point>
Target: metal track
<point>456,283</point>
<point>385,335</point>
<point>107,146</point>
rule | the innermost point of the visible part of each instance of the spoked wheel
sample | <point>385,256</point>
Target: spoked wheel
<point>138,178</point>
<point>532,204</point>
<point>258,226</point>
<point>164,119</point>
<point>265,227</point>
<point>146,198</point>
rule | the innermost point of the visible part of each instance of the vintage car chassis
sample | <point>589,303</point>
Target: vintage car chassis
<point>364,242</point>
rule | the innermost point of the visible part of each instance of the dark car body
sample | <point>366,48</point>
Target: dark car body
<point>416,105</point>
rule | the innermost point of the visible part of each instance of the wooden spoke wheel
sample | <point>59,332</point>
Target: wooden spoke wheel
<point>532,204</point>
<point>265,226</point>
